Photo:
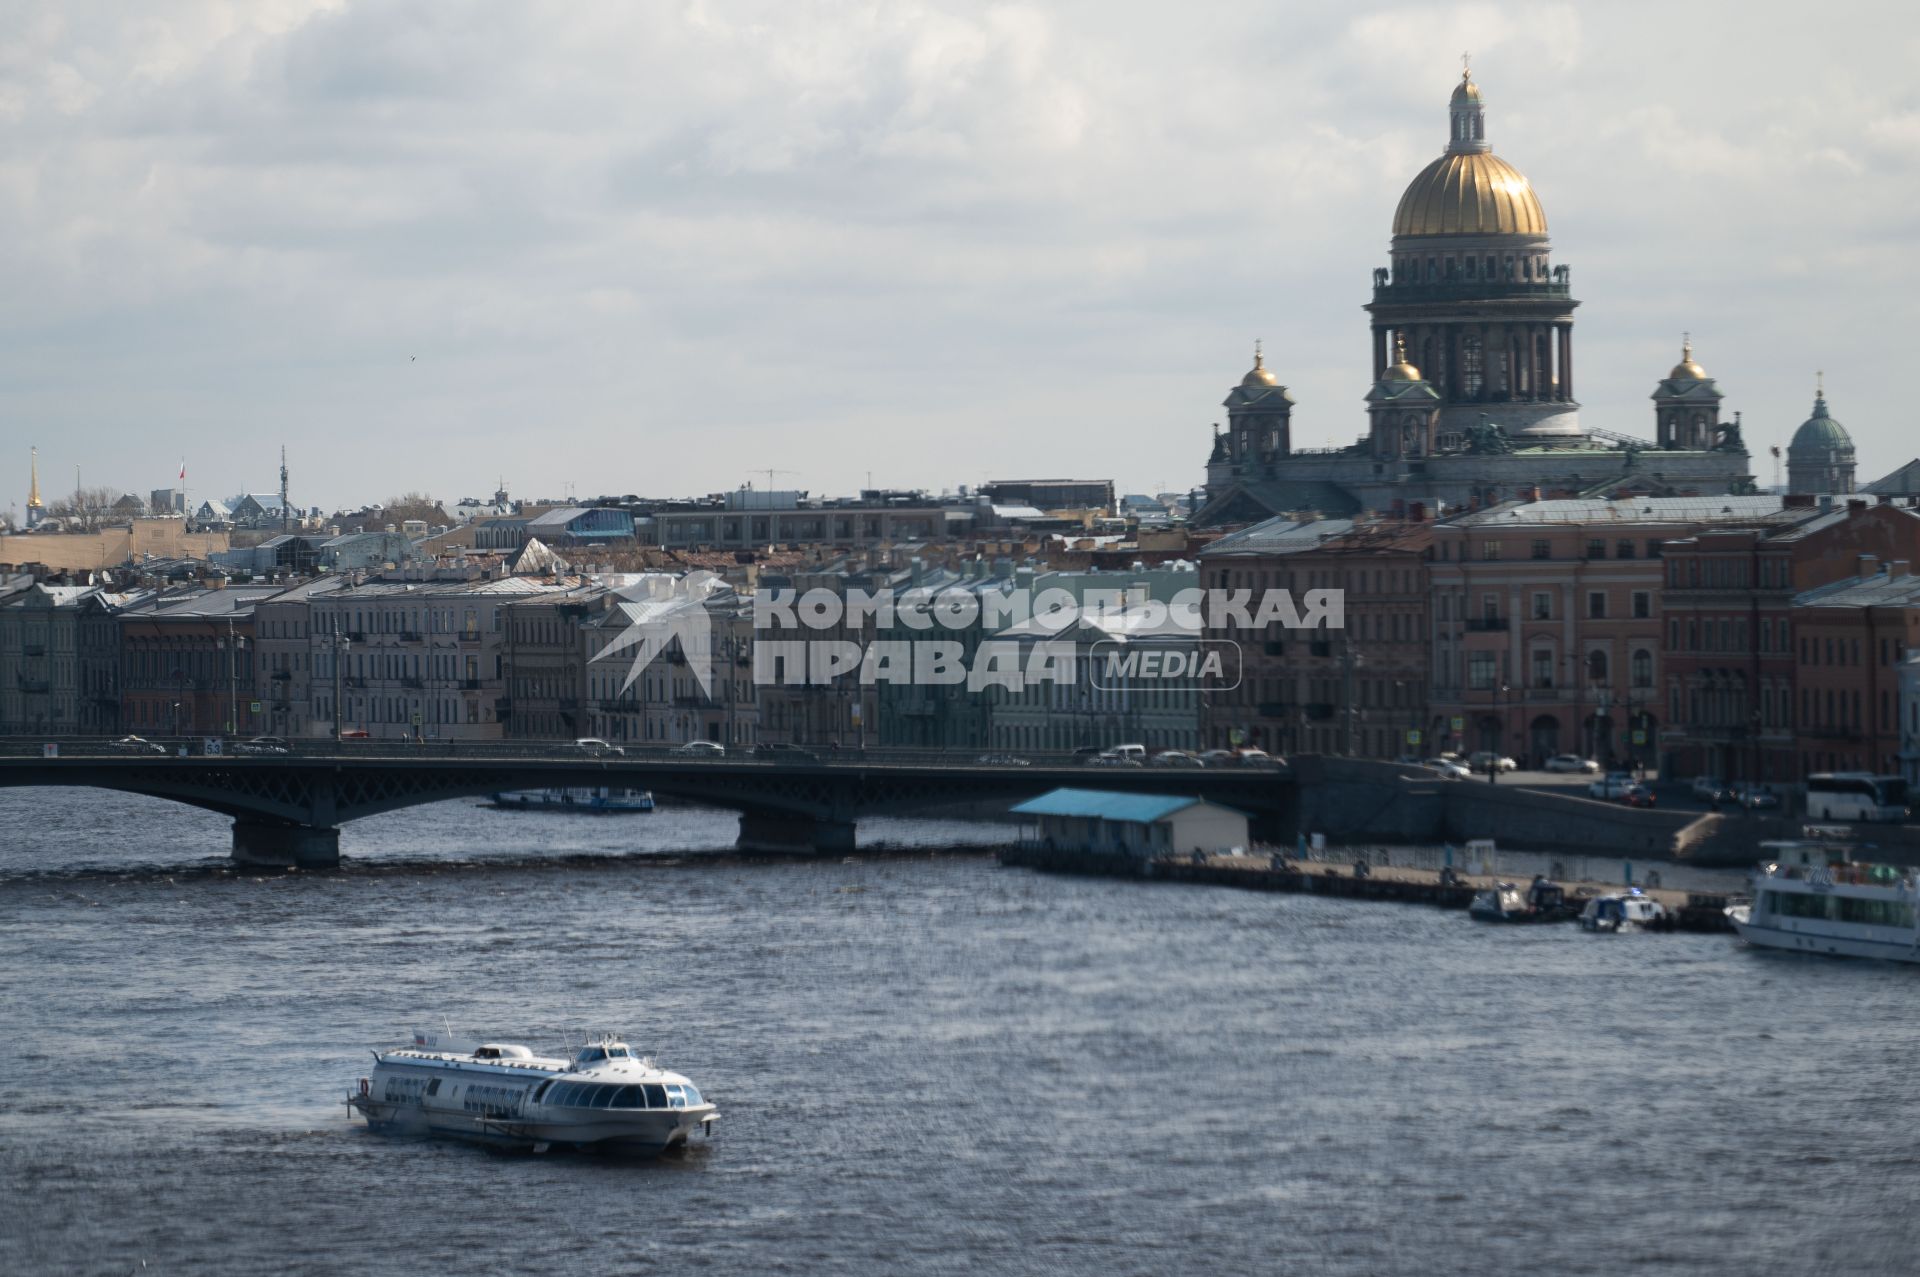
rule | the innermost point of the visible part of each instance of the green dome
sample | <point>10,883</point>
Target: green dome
<point>1820,433</point>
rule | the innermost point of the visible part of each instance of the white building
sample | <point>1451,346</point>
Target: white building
<point>1138,825</point>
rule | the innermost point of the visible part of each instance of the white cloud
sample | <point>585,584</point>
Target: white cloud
<point>920,238</point>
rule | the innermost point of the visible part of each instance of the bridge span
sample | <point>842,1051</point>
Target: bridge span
<point>287,808</point>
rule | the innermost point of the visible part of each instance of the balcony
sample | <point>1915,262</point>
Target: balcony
<point>412,636</point>
<point>1276,709</point>
<point>281,676</point>
<point>468,636</point>
<point>33,684</point>
<point>1319,711</point>
<point>33,649</point>
<point>692,702</point>
<point>1470,290</point>
<point>415,683</point>
<point>468,684</point>
<point>1487,625</point>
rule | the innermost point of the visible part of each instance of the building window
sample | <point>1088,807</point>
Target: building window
<point>1543,549</point>
<point>1480,670</point>
<point>1472,367</point>
<point>1542,667</point>
<point>1623,549</point>
<point>1596,549</point>
<point>1489,549</point>
<point>1542,607</point>
<point>1597,605</point>
<point>1642,668</point>
<point>1642,604</point>
<point>1597,668</point>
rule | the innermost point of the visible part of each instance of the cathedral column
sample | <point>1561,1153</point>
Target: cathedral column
<point>1564,333</point>
<point>1379,351</point>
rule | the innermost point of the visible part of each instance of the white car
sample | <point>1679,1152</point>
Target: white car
<point>1175,758</point>
<point>700,749</point>
<point>1570,763</point>
<point>1613,785</point>
<point>1448,768</point>
<point>1711,789</point>
<point>1486,760</point>
<point>598,748</point>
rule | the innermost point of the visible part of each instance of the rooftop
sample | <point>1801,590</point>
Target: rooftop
<point>1134,809</point>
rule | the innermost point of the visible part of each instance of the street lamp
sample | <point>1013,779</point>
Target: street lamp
<point>340,644</point>
<point>1499,738</point>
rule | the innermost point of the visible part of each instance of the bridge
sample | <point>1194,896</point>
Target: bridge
<point>287,808</point>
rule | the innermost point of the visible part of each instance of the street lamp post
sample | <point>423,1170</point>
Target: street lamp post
<point>340,644</point>
<point>1500,737</point>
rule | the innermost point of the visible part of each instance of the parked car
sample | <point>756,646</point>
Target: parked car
<point>1175,758</point>
<point>1637,795</point>
<point>598,748</point>
<point>700,749</point>
<point>264,745</point>
<point>1255,758</point>
<point>1219,758</point>
<point>1612,785</point>
<point>136,745</point>
<point>784,753</point>
<point>1448,768</point>
<point>1571,763</point>
<point>1001,760</point>
<point>1111,759</point>
<point>1756,797</point>
<point>1485,760</point>
<point>1711,789</point>
<point>355,733</point>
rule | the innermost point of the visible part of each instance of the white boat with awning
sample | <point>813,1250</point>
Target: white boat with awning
<point>603,1096</point>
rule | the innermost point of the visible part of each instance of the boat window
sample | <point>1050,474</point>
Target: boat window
<point>433,1087</point>
<point>592,1053</point>
<point>487,1053</point>
<point>540,1091</point>
<point>693,1096</point>
<point>656,1095</point>
<point>676,1096</point>
<point>603,1096</point>
<point>562,1093</point>
<point>630,1097</point>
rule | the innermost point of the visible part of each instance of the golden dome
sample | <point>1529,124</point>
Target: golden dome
<point>1466,90</point>
<point>1471,193</point>
<point>1260,375</point>
<point>1400,370</point>
<point>1686,369</point>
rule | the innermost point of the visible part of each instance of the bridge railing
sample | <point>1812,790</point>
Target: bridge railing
<point>96,747</point>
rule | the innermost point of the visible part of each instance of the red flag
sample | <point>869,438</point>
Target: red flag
<point>183,469</point>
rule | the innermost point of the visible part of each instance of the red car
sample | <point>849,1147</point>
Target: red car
<point>1637,796</point>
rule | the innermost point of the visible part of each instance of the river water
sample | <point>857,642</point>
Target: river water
<point>924,1065</point>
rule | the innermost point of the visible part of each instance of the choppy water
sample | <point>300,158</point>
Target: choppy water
<point>925,1066</point>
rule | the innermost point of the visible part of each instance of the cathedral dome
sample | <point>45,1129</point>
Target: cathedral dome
<point>1471,193</point>
<point>1469,190</point>
<point>1820,433</point>
<point>1260,375</point>
<point>1686,369</point>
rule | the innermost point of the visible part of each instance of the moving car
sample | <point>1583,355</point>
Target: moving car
<point>783,753</point>
<point>598,748</point>
<point>1448,768</point>
<point>1113,759</point>
<point>1756,797</point>
<point>1001,760</point>
<point>264,745</point>
<point>1637,795</point>
<point>1485,760</point>
<point>1256,758</point>
<point>700,749</point>
<point>137,745</point>
<point>1612,785</point>
<point>1711,789</point>
<point>1175,758</point>
<point>1570,763</point>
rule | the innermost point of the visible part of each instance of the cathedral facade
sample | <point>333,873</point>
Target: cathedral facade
<point>1472,399</point>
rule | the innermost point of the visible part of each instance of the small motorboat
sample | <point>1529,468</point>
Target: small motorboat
<point>1629,910</point>
<point>1541,901</point>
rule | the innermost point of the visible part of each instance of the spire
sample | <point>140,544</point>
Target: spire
<point>1820,393</point>
<point>1466,121</point>
<point>283,487</point>
<point>33,484</point>
<point>1401,369</point>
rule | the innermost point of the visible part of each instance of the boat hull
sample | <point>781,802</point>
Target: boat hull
<point>1894,945</point>
<point>637,1133</point>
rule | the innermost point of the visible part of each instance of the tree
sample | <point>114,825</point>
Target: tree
<point>86,509</point>
<point>413,505</point>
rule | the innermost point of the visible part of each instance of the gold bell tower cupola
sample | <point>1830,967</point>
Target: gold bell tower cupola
<point>35,510</point>
<point>1472,290</point>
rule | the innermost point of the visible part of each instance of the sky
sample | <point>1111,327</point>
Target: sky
<point>672,247</point>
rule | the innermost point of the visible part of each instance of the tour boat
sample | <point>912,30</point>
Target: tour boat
<point>1810,897</point>
<point>603,1097</point>
<point>601,801</point>
<point>1628,910</point>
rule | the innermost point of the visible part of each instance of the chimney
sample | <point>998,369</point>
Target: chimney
<point>1797,501</point>
<point>1897,568</point>
<point>1855,506</point>
<point>1826,501</point>
<point>1866,565</point>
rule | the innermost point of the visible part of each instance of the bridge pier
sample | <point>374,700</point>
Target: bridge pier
<point>273,845</point>
<point>785,831</point>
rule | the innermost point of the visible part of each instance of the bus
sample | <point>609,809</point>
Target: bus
<point>1856,796</point>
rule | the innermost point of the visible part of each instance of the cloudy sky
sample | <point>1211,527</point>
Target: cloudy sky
<point>650,246</point>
